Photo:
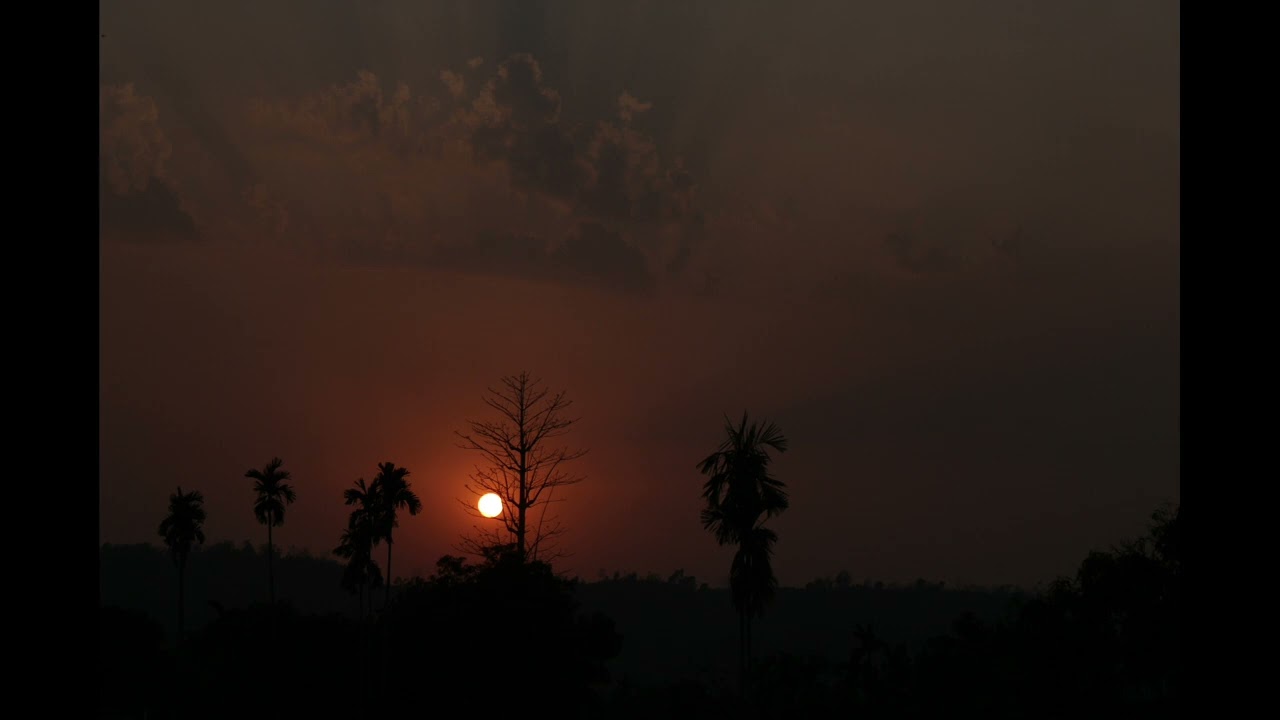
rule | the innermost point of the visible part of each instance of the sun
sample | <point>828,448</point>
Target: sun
<point>490,505</point>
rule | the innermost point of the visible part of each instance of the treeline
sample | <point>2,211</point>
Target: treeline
<point>525,461</point>
<point>468,634</point>
<point>655,612</point>
<point>1105,639</point>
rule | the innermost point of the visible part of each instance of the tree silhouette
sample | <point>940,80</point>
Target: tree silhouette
<point>752,584</point>
<point>391,493</point>
<point>740,495</point>
<point>182,527</point>
<point>273,495</point>
<point>522,465</point>
<point>358,540</point>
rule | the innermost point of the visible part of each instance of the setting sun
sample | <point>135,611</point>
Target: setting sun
<point>490,505</point>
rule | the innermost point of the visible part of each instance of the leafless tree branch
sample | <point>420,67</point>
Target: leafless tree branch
<point>520,466</point>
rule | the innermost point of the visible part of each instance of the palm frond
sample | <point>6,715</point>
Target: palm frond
<point>273,493</point>
<point>182,527</point>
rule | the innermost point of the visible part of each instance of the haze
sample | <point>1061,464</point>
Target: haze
<point>936,243</point>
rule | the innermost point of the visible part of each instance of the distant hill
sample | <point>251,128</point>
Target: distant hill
<point>143,577</point>
<point>678,629</point>
<point>673,628</point>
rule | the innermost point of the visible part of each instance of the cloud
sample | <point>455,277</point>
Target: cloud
<point>629,182</point>
<point>468,185</point>
<point>1013,246</point>
<point>595,252</point>
<point>590,254</point>
<point>135,197</point>
<point>497,253</point>
<point>613,176</point>
<point>629,106</point>
<point>152,214</point>
<point>454,82</point>
<point>133,148</point>
<point>917,257</point>
<point>270,210</point>
<point>353,112</point>
<point>514,120</point>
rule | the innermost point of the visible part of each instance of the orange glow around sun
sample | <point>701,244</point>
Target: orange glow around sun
<point>490,505</point>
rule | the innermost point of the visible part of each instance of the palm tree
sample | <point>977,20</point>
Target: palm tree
<point>358,540</point>
<point>183,526</point>
<point>361,571</point>
<point>751,582</point>
<point>392,493</point>
<point>273,495</point>
<point>740,495</point>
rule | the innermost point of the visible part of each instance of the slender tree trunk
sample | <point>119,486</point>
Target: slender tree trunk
<point>524,499</point>
<point>387,598</point>
<point>520,536</point>
<point>271,578</point>
<point>524,478</point>
<point>742,653</point>
<point>182,598</point>
<point>363,656</point>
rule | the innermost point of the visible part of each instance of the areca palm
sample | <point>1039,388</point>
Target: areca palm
<point>740,494</point>
<point>393,494</point>
<point>361,571</point>
<point>182,528</point>
<point>752,583</point>
<point>358,540</point>
<point>273,495</point>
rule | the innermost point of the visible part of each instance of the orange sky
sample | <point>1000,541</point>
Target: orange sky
<point>938,245</point>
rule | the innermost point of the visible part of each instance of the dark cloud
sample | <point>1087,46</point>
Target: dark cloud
<point>630,106</point>
<point>135,198</point>
<point>1013,246</point>
<point>498,253</point>
<point>132,146</point>
<point>152,214</point>
<point>506,151</point>
<point>595,252</point>
<point>590,254</point>
<point>456,84</point>
<point>618,176</point>
<point>694,197</point>
<point>516,121</point>
<point>918,257</point>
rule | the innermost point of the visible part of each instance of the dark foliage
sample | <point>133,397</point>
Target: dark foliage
<point>503,626</point>
<point>1103,642</point>
<point>479,635</point>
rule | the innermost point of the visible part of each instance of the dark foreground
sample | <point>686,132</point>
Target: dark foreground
<point>504,637</point>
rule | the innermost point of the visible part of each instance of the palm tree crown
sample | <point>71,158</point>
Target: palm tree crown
<point>181,528</point>
<point>739,488</point>
<point>740,495</point>
<point>361,571</point>
<point>360,537</point>
<point>273,493</point>
<point>184,525</point>
<point>391,490</point>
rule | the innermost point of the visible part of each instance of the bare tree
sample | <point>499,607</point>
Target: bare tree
<point>523,464</point>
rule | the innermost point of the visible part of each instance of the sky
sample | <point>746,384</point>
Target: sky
<point>937,243</point>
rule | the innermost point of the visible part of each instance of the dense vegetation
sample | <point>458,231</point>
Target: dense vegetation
<point>626,646</point>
